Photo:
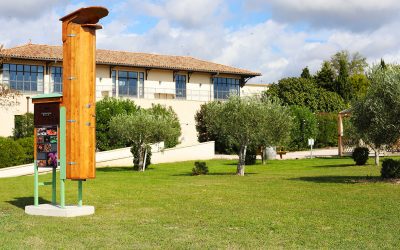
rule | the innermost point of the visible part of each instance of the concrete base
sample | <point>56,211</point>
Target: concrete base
<point>57,211</point>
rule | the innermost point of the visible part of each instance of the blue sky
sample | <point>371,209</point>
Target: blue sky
<point>275,37</point>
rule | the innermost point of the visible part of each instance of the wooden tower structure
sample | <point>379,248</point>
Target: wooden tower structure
<point>79,90</point>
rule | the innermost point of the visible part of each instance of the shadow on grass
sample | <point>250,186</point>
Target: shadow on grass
<point>235,164</point>
<point>335,166</point>
<point>119,169</point>
<point>226,174</point>
<point>21,202</point>
<point>339,179</point>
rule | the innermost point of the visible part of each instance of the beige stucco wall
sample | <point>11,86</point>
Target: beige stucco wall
<point>7,115</point>
<point>159,89</point>
<point>185,110</point>
<point>253,89</point>
<point>123,156</point>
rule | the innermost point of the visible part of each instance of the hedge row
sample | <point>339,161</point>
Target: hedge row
<point>15,152</point>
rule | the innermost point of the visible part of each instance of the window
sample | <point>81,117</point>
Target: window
<point>128,83</point>
<point>24,78</point>
<point>114,82</point>
<point>56,79</point>
<point>180,86</point>
<point>224,87</point>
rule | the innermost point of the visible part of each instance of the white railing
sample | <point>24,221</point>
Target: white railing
<point>167,93</point>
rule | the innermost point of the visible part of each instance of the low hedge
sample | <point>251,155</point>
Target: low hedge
<point>11,153</point>
<point>15,152</point>
<point>360,155</point>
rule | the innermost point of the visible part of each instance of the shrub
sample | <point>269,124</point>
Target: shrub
<point>27,146</point>
<point>105,110</point>
<point>23,126</point>
<point>11,153</point>
<point>251,156</point>
<point>304,127</point>
<point>390,169</point>
<point>200,167</point>
<point>360,155</point>
<point>204,119</point>
<point>327,130</point>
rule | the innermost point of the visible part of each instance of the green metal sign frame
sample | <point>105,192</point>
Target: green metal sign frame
<point>62,162</point>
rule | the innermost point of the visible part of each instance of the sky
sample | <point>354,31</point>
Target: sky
<point>277,38</point>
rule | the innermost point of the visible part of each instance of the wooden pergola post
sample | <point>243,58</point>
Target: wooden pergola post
<point>340,134</point>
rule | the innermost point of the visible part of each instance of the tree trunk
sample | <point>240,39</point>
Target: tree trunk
<point>264,155</point>
<point>144,161</point>
<point>241,163</point>
<point>140,167</point>
<point>376,157</point>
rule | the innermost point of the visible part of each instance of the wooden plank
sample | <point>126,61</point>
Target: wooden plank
<point>79,99</point>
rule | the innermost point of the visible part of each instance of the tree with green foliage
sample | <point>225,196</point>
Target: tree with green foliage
<point>237,120</point>
<point>325,77</point>
<point>359,85</point>
<point>355,63</point>
<point>376,115</point>
<point>105,110</point>
<point>275,125</point>
<point>305,92</point>
<point>204,117</point>
<point>23,126</point>
<point>342,83</point>
<point>305,73</point>
<point>168,114</point>
<point>304,127</point>
<point>140,130</point>
<point>327,130</point>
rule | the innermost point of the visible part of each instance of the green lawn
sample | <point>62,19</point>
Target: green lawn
<point>318,203</point>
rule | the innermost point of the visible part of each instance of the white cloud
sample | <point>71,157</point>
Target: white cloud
<point>185,13</point>
<point>196,28</point>
<point>26,9</point>
<point>354,15</point>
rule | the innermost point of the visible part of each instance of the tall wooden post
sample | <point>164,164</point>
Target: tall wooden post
<point>340,135</point>
<point>79,90</point>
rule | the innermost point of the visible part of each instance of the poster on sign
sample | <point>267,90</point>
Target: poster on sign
<point>47,147</point>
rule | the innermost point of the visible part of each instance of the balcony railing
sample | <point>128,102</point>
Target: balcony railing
<point>168,93</point>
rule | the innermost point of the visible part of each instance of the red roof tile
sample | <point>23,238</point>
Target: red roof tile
<point>142,60</point>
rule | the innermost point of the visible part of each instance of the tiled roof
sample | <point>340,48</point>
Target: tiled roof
<point>142,60</point>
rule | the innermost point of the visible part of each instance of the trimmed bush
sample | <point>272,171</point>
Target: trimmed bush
<point>27,146</point>
<point>327,130</point>
<point>200,167</point>
<point>23,126</point>
<point>390,169</point>
<point>251,156</point>
<point>360,155</point>
<point>11,153</point>
<point>304,127</point>
<point>105,110</point>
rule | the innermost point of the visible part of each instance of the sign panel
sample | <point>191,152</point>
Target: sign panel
<point>311,142</point>
<point>47,146</point>
<point>46,114</point>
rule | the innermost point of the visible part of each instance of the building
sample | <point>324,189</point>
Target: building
<point>182,82</point>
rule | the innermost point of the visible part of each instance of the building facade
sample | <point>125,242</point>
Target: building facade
<point>182,82</point>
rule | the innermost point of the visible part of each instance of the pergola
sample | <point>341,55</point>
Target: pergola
<point>341,115</point>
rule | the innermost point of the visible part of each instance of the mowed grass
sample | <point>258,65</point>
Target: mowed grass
<point>312,203</point>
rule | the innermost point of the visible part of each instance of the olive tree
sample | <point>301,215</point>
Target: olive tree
<point>140,130</point>
<point>275,125</point>
<point>376,115</point>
